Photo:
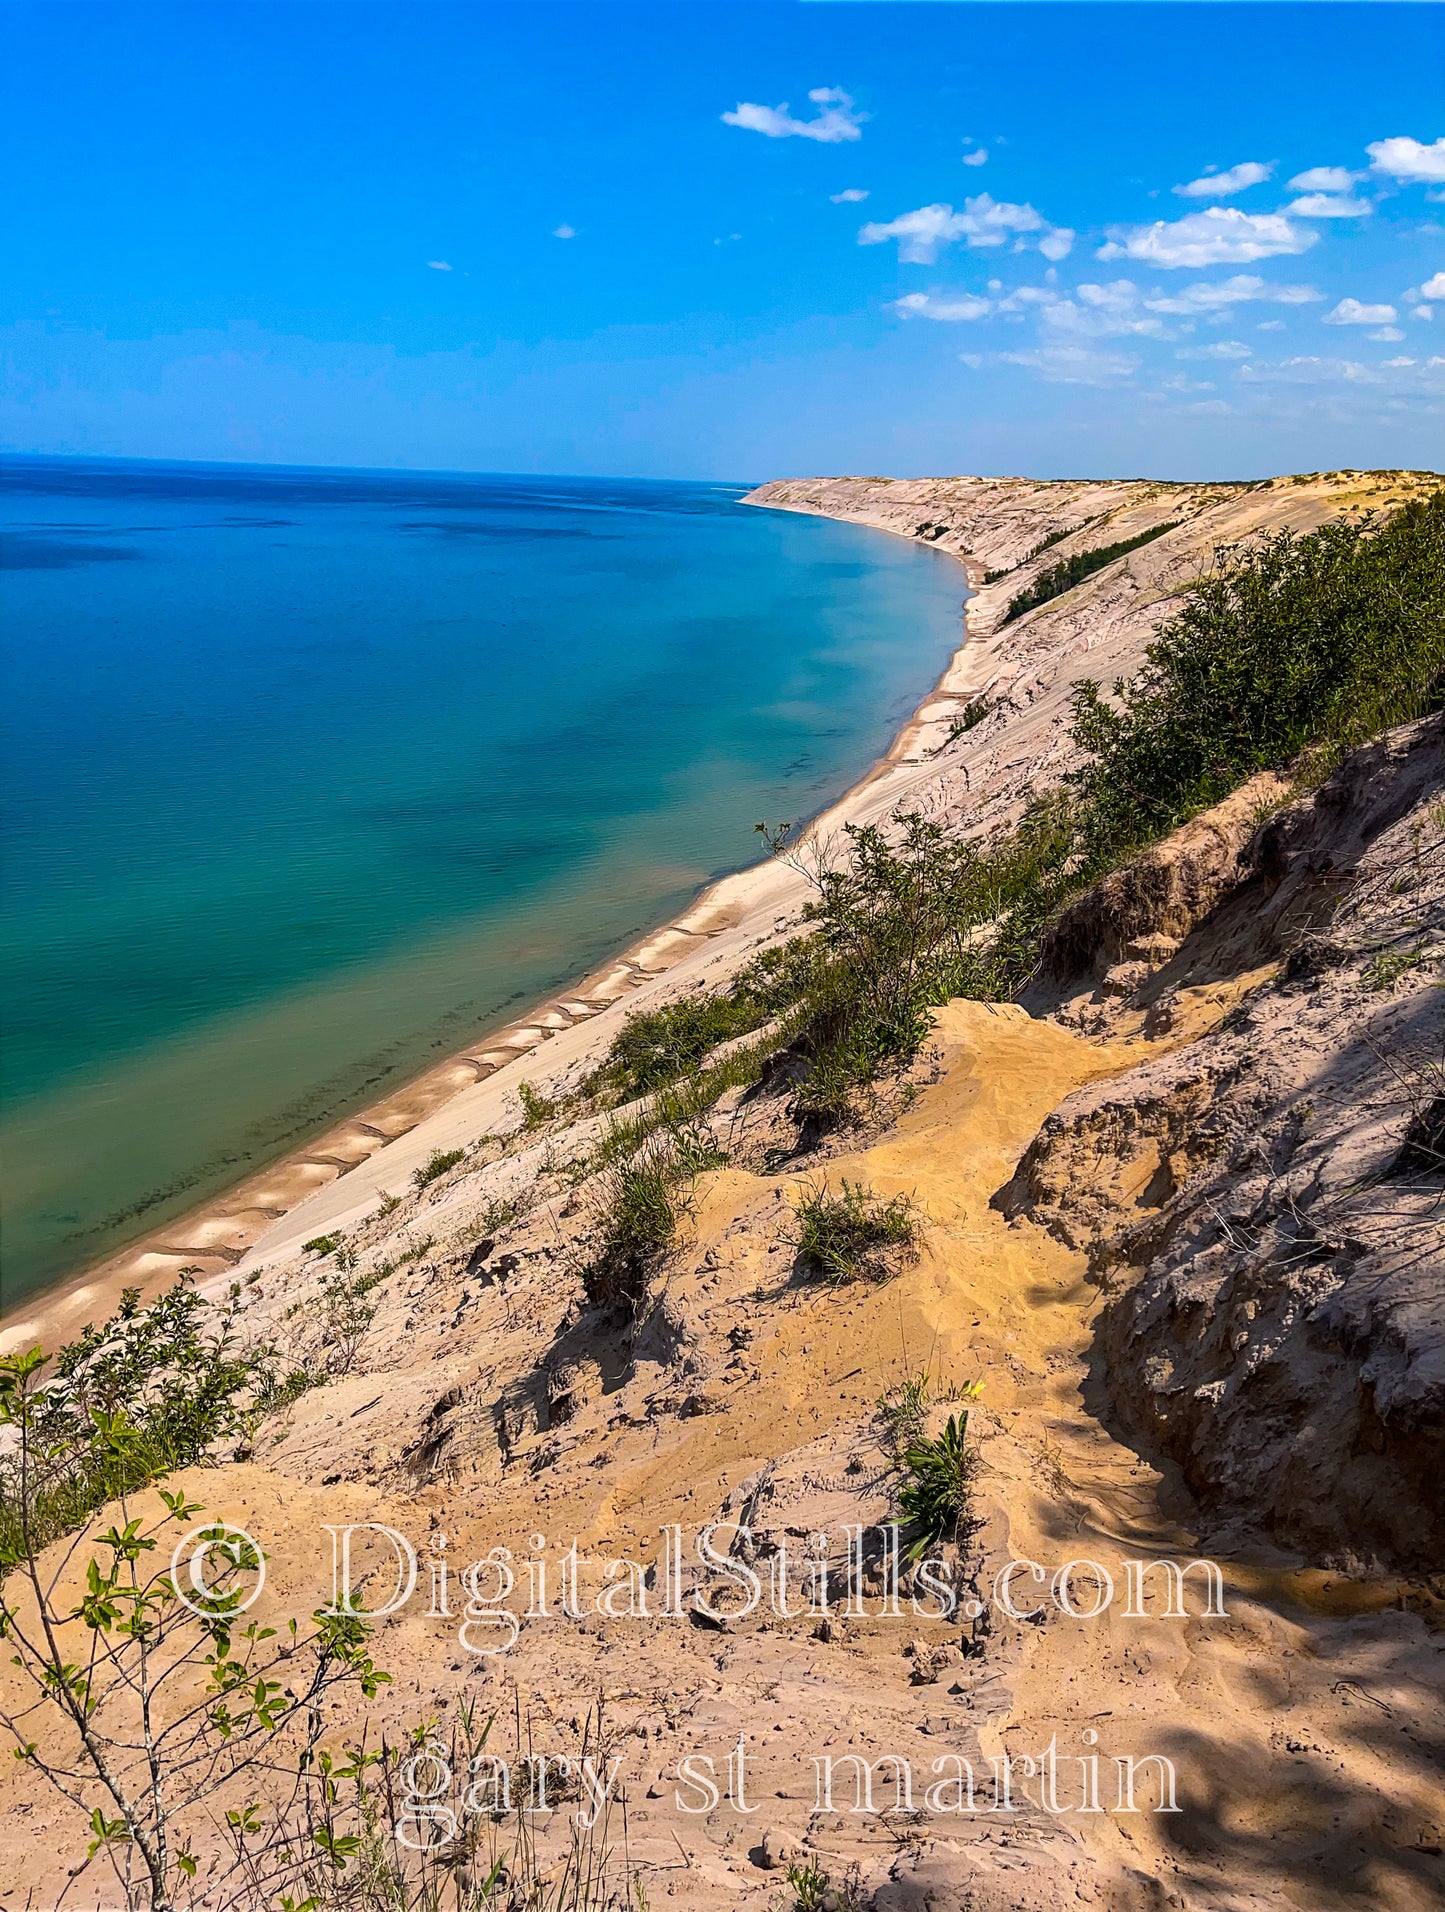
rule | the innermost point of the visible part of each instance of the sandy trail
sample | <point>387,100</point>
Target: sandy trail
<point>1303,1726</point>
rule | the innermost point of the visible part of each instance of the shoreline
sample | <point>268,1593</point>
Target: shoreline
<point>222,1234</point>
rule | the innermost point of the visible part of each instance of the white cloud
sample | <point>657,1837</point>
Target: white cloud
<point>1352,312</point>
<point>564,232</point>
<point>850,196</point>
<point>438,265</point>
<point>1434,288</point>
<point>1329,206</point>
<point>1324,179</point>
<point>1097,311</point>
<point>1422,311</point>
<point>1219,235</point>
<point>1386,335</point>
<point>1075,364</point>
<point>1409,160</point>
<point>1270,325</point>
<point>1223,349</point>
<point>1407,376</point>
<point>835,121</point>
<point>984,221</point>
<point>926,305</point>
<point>1249,172</point>
<point>1218,295</point>
<point>978,158</point>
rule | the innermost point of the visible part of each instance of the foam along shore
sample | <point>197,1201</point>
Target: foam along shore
<point>1023,671</point>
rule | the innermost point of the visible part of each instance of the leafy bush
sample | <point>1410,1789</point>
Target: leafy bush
<point>150,1390</point>
<point>536,1109</point>
<point>346,1313</point>
<point>1324,639</point>
<point>437,1164</point>
<point>321,1245</point>
<point>847,1234</point>
<point>937,1499</point>
<point>1064,575</point>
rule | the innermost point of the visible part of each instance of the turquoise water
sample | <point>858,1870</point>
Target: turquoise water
<point>310,777</point>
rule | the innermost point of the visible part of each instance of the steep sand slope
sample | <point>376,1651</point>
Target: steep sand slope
<point>488,1403</point>
<point>1298,1723</point>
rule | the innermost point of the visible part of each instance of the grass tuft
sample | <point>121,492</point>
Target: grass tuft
<point>851,1233</point>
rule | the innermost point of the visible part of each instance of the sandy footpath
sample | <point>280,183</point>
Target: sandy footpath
<point>1024,672</point>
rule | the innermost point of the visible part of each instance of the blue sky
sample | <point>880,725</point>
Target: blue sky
<point>727,241</point>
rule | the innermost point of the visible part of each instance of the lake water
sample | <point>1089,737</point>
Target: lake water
<point>311,776</point>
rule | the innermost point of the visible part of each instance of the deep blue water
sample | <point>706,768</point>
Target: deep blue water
<point>310,776</point>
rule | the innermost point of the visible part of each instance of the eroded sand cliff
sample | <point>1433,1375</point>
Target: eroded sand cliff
<point>1183,1217</point>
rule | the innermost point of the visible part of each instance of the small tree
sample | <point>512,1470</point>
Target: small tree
<point>188,1737</point>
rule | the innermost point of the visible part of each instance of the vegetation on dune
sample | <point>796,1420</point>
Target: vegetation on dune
<point>1292,647</point>
<point>1037,550</point>
<point>436,1165</point>
<point>640,1204</point>
<point>1293,643</point>
<point>850,1232</point>
<point>937,1497</point>
<point>1068,572</point>
<point>150,1390</point>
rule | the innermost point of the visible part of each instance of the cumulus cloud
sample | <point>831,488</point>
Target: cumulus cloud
<point>1234,179</point>
<point>976,158</point>
<point>1222,349</point>
<point>1409,160</point>
<point>850,196</point>
<point>564,232</point>
<point>1352,312</point>
<point>1329,206</point>
<point>1324,179</point>
<point>1098,311</point>
<point>1219,235</point>
<point>1386,335</point>
<point>1434,288</point>
<point>984,221</point>
<point>961,307</point>
<point>1217,296</point>
<point>1422,311</point>
<point>836,118</point>
<point>438,265</point>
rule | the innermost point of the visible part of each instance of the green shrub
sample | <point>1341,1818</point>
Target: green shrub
<point>847,1234</point>
<point>937,1498</point>
<point>437,1164</point>
<point>1037,550</point>
<point>972,714</point>
<point>321,1244</point>
<point>1068,572</point>
<point>1294,642</point>
<point>150,1390</point>
<point>537,1111</point>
